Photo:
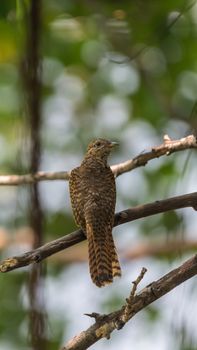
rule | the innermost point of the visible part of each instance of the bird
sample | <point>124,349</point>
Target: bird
<point>93,198</point>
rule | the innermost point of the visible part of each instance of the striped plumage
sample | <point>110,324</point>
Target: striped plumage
<point>93,198</point>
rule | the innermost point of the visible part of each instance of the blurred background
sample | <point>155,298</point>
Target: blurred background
<point>125,71</point>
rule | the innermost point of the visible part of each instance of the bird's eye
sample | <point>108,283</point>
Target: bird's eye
<point>97,144</point>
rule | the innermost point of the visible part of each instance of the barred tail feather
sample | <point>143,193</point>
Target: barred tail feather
<point>116,269</point>
<point>92,261</point>
<point>99,258</point>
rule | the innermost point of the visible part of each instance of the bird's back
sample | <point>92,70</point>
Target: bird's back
<point>92,191</point>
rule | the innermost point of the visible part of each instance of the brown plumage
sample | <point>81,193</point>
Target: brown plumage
<point>93,199</point>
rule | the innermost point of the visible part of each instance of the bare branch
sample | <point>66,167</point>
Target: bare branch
<point>141,211</point>
<point>180,244</point>
<point>166,148</point>
<point>158,247</point>
<point>31,178</point>
<point>106,324</point>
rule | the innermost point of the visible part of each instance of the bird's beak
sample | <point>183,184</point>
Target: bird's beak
<point>113,144</point>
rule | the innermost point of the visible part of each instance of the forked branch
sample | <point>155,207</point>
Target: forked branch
<point>105,324</point>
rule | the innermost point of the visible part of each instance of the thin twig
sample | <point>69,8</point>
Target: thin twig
<point>104,326</point>
<point>126,314</point>
<point>141,211</point>
<point>166,148</point>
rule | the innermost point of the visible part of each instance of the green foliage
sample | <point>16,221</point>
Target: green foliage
<point>12,310</point>
<point>59,224</point>
<point>114,302</point>
<point>152,313</point>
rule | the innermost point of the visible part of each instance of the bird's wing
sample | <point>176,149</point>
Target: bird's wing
<point>76,195</point>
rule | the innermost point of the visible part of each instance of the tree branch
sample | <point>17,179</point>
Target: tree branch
<point>31,178</point>
<point>105,324</point>
<point>155,247</point>
<point>127,215</point>
<point>166,148</point>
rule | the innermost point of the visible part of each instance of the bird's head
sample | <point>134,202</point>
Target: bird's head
<point>100,148</point>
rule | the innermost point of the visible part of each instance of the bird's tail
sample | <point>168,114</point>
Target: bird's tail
<point>116,269</point>
<point>103,259</point>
